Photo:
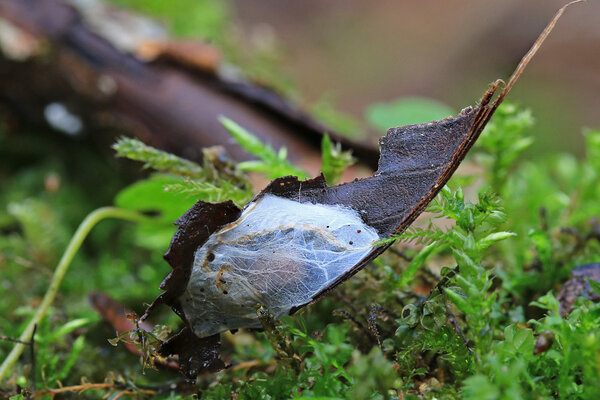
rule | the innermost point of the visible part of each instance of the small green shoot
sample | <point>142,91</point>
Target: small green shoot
<point>503,140</point>
<point>335,160</point>
<point>155,159</point>
<point>270,162</point>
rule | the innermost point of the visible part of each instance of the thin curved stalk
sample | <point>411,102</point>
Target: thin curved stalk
<point>63,265</point>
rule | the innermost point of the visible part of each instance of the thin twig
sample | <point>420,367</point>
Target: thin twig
<point>89,386</point>
<point>9,339</point>
<point>32,358</point>
<point>527,58</point>
<point>124,393</point>
<point>247,365</point>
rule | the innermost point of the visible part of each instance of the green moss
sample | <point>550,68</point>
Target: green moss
<point>455,315</point>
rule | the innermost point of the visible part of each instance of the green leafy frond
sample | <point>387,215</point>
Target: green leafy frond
<point>155,159</point>
<point>270,162</point>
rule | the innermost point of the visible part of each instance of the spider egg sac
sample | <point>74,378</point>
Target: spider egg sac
<point>280,253</point>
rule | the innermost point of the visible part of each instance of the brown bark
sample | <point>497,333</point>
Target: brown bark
<point>172,102</point>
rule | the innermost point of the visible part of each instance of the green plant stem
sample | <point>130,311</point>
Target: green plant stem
<point>82,231</point>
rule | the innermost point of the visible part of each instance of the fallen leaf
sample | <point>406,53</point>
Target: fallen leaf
<point>297,240</point>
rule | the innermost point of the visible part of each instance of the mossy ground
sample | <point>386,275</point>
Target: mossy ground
<point>465,311</point>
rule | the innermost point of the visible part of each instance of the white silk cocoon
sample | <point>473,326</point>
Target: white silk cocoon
<point>280,253</point>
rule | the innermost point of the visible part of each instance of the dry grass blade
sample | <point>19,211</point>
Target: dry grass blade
<point>529,56</point>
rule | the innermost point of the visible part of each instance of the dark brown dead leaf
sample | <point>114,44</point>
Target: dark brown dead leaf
<point>578,286</point>
<point>416,161</point>
<point>196,355</point>
<point>195,226</point>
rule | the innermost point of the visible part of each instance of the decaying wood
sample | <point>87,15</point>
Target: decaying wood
<point>168,94</point>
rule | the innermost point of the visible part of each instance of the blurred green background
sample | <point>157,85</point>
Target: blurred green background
<point>338,58</point>
<point>358,53</point>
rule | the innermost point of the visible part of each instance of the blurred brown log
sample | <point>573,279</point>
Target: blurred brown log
<point>58,68</point>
